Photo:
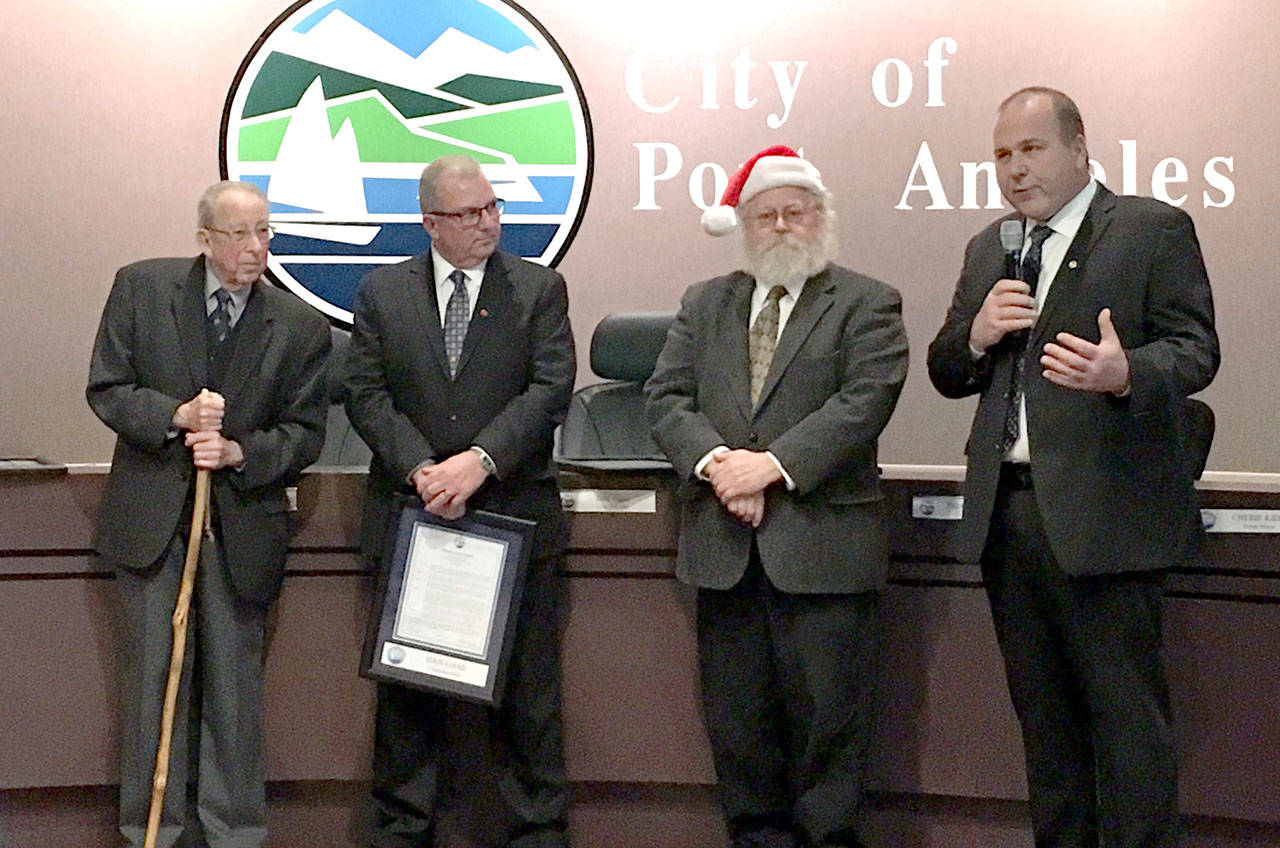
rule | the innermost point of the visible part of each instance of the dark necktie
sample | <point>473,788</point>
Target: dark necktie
<point>221,315</point>
<point>456,316</point>
<point>763,339</point>
<point>1029,273</point>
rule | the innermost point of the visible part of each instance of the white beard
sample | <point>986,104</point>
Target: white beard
<point>788,261</point>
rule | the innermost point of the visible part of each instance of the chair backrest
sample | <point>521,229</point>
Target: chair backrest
<point>605,427</point>
<point>626,347</point>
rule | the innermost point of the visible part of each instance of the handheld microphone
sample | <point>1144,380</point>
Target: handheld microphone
<point>1011,241</point>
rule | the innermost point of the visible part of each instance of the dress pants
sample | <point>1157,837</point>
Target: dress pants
<point>225,639</point>
<point>1082,659</point>
<point>787,686</point>
<point>410,756</point>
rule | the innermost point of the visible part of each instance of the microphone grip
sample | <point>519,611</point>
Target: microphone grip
<point>1011,265</point>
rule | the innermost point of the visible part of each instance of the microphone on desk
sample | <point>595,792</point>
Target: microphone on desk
<point>1011,241</point>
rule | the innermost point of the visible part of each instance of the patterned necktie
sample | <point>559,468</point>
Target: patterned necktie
<point>1029,273</point>
<point>221,315</point>
<point>763,339</point>
<point>456,317</point>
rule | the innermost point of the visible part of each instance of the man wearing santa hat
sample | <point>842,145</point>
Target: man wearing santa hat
<point>768,397</point>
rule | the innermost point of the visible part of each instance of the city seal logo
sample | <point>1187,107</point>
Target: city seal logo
<point>340,103</point>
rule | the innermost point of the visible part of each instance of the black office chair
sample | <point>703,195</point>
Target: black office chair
<point>605,427</point>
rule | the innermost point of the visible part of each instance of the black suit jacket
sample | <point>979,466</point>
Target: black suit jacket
<point>1112,476</point>
<point>513,385</point>
<point>149,357</point>
<point>835,378</point>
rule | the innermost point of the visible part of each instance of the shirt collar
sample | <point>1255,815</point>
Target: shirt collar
<point>211,284</point>
<point>442,268</point>
<point>1067,220</point>
<point>794,289</point>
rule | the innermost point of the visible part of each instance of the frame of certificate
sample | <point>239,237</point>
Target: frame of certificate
<point>444,617</point>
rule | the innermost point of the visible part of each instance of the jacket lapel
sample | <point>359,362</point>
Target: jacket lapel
<point>253,333</point>
<point>189,316</point>
<point>733,342</point>
<point>1070,272</point>
<point>815,299</point>
<point>494,309</point>
<point>426,309</point>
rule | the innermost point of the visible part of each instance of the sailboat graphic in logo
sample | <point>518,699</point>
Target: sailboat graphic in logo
<point>341,102</point>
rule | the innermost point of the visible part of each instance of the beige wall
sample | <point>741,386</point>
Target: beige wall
<point>111,130</point>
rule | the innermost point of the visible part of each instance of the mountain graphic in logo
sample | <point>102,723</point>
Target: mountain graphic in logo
<point>340,103</point>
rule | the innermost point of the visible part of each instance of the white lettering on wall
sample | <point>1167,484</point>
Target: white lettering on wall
<point>971,171</point>
<point>1220,181</point>
<point>634,82</point>
<point>648,170</point>
<point>786,85</point>
<point>1169,170</point>
<point>928,171</point>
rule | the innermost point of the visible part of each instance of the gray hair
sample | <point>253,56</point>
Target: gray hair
<point>209,200</point>
<point>429,184</point>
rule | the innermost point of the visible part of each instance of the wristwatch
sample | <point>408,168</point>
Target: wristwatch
<point>485,462</point>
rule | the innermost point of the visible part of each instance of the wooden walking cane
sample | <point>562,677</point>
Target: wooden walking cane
<point>198,512</point>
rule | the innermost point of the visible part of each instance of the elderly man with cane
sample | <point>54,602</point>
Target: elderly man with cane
<point>203,371</point>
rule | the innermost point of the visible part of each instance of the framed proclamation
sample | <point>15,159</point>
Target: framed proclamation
<point>445,614</point>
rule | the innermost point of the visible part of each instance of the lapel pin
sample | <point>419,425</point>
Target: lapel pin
<point>1072,264</point>
<point>484,313</point>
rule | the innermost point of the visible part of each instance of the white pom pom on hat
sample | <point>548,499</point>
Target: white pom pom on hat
<point>770,168</point>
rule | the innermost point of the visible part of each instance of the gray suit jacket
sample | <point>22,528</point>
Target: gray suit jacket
<point>513,385</point>
<point>835,378</point>
<point>1112,476</point>
<point>150,356</point>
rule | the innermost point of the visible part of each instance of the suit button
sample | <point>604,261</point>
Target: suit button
<point>753,438</point>
<point>453,416</point>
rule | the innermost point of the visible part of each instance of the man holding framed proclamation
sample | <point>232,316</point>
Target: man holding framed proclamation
<point>460,367</point>
<point>444,616</point>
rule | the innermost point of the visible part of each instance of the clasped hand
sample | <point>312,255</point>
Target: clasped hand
<point>445,486</point>
<point>203,412</point>
<point>739,478</point>
<point>210,450</point>
<point>202,417</point>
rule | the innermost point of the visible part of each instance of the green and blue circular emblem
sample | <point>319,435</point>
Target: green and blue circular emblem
<point>340,103</point>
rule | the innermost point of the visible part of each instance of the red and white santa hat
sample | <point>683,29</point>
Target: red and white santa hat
<point>770,168</point>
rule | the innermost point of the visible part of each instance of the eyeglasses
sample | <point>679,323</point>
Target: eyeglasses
<point>791,216</point>
<point>242,236</point>
<point>471,217</point>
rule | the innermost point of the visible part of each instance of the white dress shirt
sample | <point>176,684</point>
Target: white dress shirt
<point>444,286</point>
<point>1065,224</point>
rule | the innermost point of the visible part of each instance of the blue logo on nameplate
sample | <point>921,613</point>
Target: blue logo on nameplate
<point>340,103</point>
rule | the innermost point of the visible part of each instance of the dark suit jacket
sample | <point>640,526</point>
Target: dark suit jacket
<point>149,357</point>
<point>1112,476</point>
<point>836,374</point>
<point>513,385</point>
